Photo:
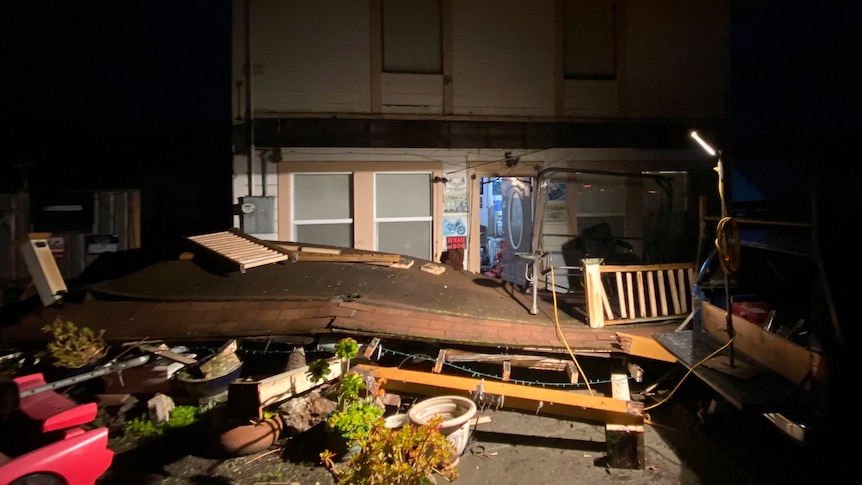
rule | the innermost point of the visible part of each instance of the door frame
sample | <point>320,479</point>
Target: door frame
<point>475,176</point>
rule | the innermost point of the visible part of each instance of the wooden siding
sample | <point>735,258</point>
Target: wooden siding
<point>314,56</point>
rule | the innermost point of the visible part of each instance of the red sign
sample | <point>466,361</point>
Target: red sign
<point>456,242</point>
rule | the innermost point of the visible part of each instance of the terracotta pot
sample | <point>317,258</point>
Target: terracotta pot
<point>251,438</point>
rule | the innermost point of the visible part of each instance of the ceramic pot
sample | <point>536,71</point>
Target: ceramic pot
<point>456,411</point>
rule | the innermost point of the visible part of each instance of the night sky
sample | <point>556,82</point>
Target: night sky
<point>123,95</point>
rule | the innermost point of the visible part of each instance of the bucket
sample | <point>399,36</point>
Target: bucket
<point>456,411</point>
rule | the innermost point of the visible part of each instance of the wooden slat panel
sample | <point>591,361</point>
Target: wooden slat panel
<point>644,295</point>
<point>242,251</point>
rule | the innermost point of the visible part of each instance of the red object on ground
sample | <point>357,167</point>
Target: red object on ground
<point>756,312</point>
<point>76,457</point>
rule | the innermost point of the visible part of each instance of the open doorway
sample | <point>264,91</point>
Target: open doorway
<point>505,226</point>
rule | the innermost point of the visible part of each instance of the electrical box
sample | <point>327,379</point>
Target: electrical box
<point>258,214</point>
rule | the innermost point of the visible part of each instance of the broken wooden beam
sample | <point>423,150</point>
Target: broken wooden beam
<point>552,402</point>
<point>625,442</point>
<point>248,398</point>
<point>345,258</point>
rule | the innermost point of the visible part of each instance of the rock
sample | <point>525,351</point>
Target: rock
<point>302,413</point>
<point>159,408</point>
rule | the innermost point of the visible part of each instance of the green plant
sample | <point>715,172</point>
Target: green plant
<point>274,474</point>
<point>405,456</point>
<point>355,420</point>
<point>180,417</point>
<point>74,347</point>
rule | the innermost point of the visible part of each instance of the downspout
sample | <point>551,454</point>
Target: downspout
<point>249,112</point>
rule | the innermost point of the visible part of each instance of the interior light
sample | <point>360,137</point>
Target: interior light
<point>703,144</point>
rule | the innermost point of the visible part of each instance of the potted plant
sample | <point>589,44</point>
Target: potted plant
<point>75,347</point>
<point>408,455</point>
<point>356,408</point>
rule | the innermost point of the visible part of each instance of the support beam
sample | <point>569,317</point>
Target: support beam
<point>552,402</point>
<point>625,442</point>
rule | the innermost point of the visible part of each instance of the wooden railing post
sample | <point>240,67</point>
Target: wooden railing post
<point>594,291</point>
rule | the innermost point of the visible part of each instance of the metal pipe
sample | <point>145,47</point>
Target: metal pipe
<point>249,112</point>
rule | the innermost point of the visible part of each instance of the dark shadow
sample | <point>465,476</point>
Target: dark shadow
<point>307,449</point>
<point>538,441</point>
<point>145,464</point>
<point>488,282</point>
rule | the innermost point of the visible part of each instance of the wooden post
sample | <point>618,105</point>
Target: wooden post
<point>594,291</point>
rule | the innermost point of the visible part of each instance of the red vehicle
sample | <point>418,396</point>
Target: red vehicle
<point>50,446</point>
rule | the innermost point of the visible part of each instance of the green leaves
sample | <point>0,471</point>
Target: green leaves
<point>75,347</point>
<point>406,456</point>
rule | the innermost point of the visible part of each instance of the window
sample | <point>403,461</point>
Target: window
<point>412,36</point>
<point>403,213</point>
<point>590,39</point>
<point>323,208</point>
<point>600,199</point>
<point>671,195</point>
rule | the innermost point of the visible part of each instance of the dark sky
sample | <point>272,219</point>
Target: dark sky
<point>126,94</point>
<point>120,65</point>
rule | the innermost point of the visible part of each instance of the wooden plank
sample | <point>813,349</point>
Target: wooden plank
<point>553,402</point>
<point>318,250</point>
<point>346,258</point>
<point>182,359</point>
<point>640,283</point>
<point>572,372</point>
<point>433,268</point>
<point>507,370</point>
<point>441,358</point>
<point>369,349</point>
<point>247,399</point>
<point>778,354</point>
<point>625,442</point>
<point>620,293</point>
<point>673,295</point>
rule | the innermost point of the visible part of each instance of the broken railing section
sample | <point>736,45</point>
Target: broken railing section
<point>618,294</point>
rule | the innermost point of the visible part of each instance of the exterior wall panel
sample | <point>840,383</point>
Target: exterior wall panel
<point>310,56</point>
<point>677,58</point>
<point>503,59</point>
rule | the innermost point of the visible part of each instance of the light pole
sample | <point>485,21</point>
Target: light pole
<point>725,233</point>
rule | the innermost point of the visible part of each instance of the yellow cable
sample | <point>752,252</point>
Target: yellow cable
<point>687,374</point>
<point>560,332</point>
<point>727,244</point>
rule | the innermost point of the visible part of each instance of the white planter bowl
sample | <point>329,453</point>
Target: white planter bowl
<point>456,411</point>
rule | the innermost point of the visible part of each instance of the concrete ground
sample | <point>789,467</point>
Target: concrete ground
<point>521,448</point>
